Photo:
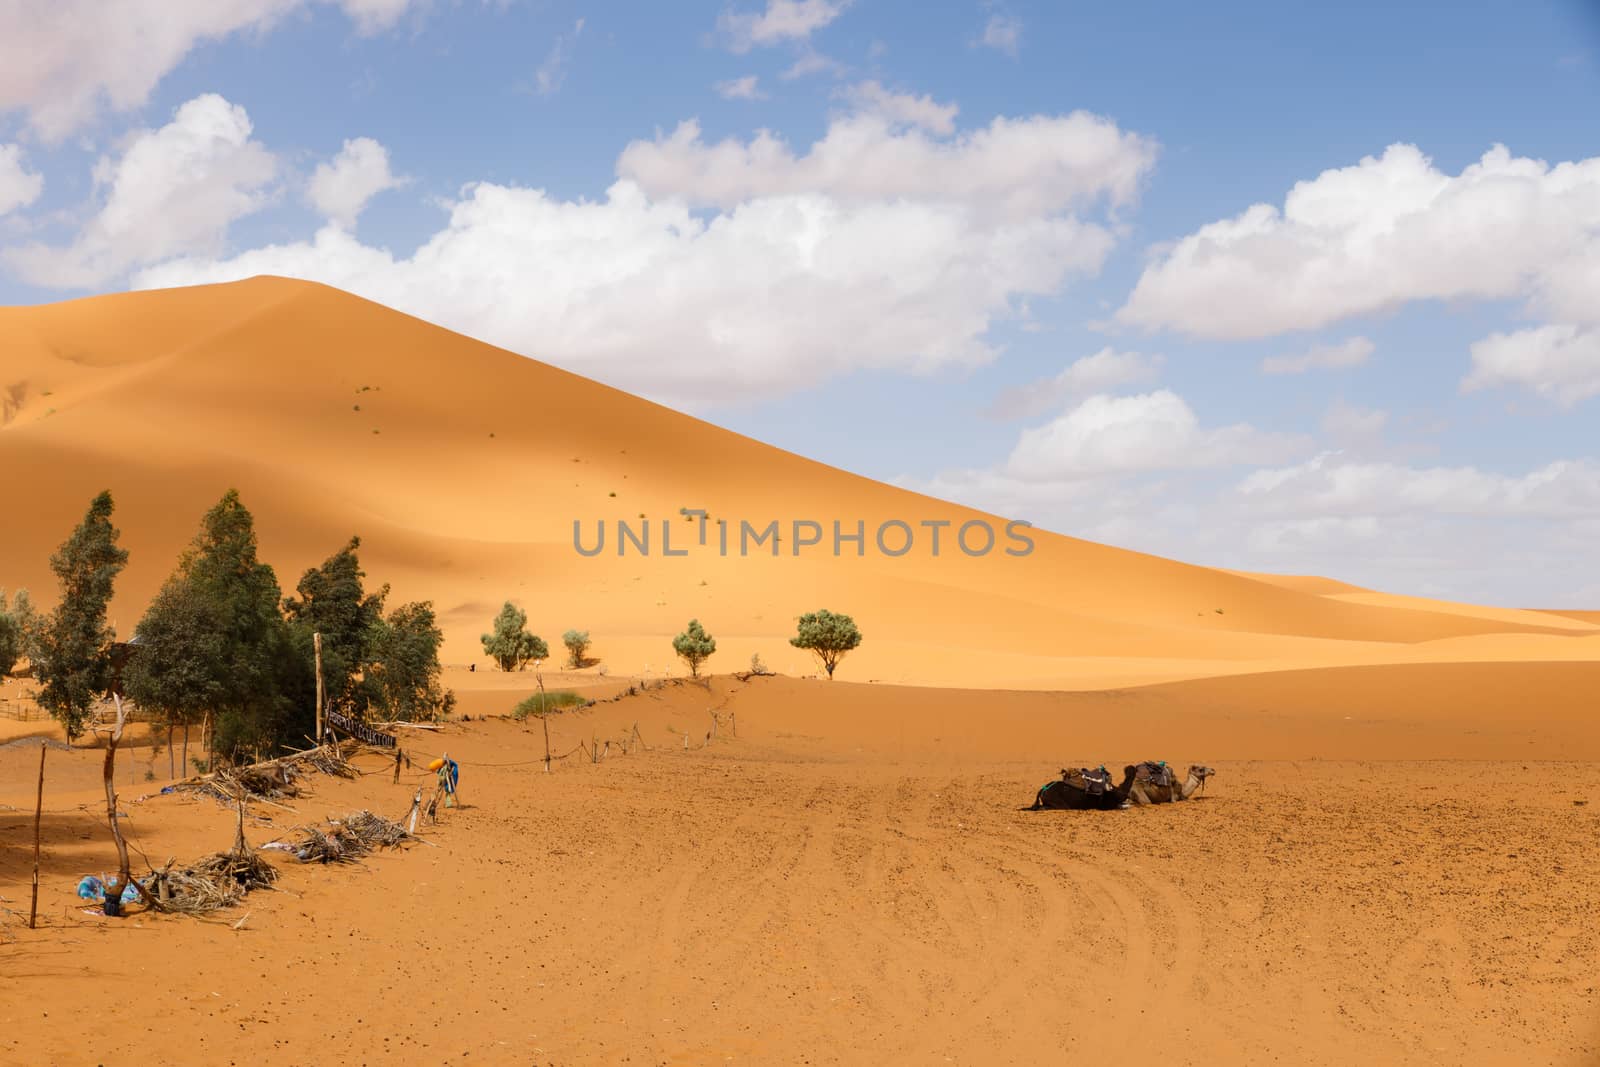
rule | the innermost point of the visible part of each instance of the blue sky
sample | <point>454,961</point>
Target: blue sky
<point>1248,284</point>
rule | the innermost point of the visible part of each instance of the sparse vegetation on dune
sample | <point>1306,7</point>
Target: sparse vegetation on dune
<point>827,636</point>
<point>694,646</point>
<point>511,646</point>
<point>577,642</point>
<point>547,702</point>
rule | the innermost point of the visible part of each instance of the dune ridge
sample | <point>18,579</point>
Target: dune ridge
<point>463,468</point>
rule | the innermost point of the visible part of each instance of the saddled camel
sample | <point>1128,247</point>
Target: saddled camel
<point>1157,783</point>
<point>1083,789</point>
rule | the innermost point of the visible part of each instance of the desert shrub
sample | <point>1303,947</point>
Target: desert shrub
<point>511,646</point>
<point>827,636</point>
<point>577,642</point>
<point>545,703</point>
<point>694,646</point>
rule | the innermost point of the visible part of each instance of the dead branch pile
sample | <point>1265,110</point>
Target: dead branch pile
<point>216,881</point>
<point>219,880</point>
<point>348,839</point>
<point>275,779</point>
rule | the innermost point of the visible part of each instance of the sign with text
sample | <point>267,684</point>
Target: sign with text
<point>360,730</point>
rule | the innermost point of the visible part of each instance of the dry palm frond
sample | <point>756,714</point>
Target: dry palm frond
<point>219,880</point>
<point>275,779</point>
<point>348,839</point>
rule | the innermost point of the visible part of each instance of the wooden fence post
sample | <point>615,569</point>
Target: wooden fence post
<point>316,643</point>
<point>38,812</point>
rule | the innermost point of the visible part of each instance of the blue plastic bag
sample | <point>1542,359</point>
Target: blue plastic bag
<point>92,888</point>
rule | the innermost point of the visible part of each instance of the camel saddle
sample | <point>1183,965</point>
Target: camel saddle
<point>1155,773</point>
<point>1095,782</point>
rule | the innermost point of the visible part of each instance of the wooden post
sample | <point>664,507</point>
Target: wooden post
<point>113,899</point>
<point>240,849</point>
<point>397,765</point>
<point>544,715</point>
<point>316,644</point>
<point>733,718</point>
<point>38,811</point>
<point>416,806</point>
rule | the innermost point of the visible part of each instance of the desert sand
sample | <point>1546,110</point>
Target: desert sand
<point>1395,862</point>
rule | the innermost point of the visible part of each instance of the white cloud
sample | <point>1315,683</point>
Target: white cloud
<point>1107,369</point>
<point>1519,539</point>
<point>745,88</point>
<point>1352,427</point>
<point>1012,169</point>
<point>914,246</point>
<point>174,191</point>
<point>1003,33</point>
<point>1328,485</point>
<point>371,16</point>
<point>690,310</point>
<point>810,62</point>
<point>64,61</point>
<point>1385,232</point>
<point>18,186</point>
<point>1560,362</point>
<point>1122,434</point>
<point>1348,353</point>
<point>553,71</point>
<point>340,188</point>
<point>904,109</point>
<point>783,20</point>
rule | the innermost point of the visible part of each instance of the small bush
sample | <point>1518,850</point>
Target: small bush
<point>555,700</point>
<point>577,642</point>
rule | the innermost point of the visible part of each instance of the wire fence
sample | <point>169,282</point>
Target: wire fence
<point>21,710</point>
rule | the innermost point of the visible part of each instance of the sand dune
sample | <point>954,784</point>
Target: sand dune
<point>1388,868</point>
<point>463,468</point>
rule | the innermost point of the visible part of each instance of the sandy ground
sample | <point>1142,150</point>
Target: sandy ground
<point>849,881</point>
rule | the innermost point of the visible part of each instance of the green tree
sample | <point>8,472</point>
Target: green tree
<point>177,670</point>
<point>694,646</point>
<point>404,676</point>
<point>13,632</point>
<point>827,636</point>
<point>263,699</point>
<point>577,642</point>
<point>28,623</point>
<point>332,602</point>
<point>73,644</point>
<point>511,645</point>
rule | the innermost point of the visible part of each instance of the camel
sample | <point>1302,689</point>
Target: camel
<point>1157,783</point>
<point>1083,789</point>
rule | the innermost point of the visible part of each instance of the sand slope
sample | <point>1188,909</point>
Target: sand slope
<point>463,468</point>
